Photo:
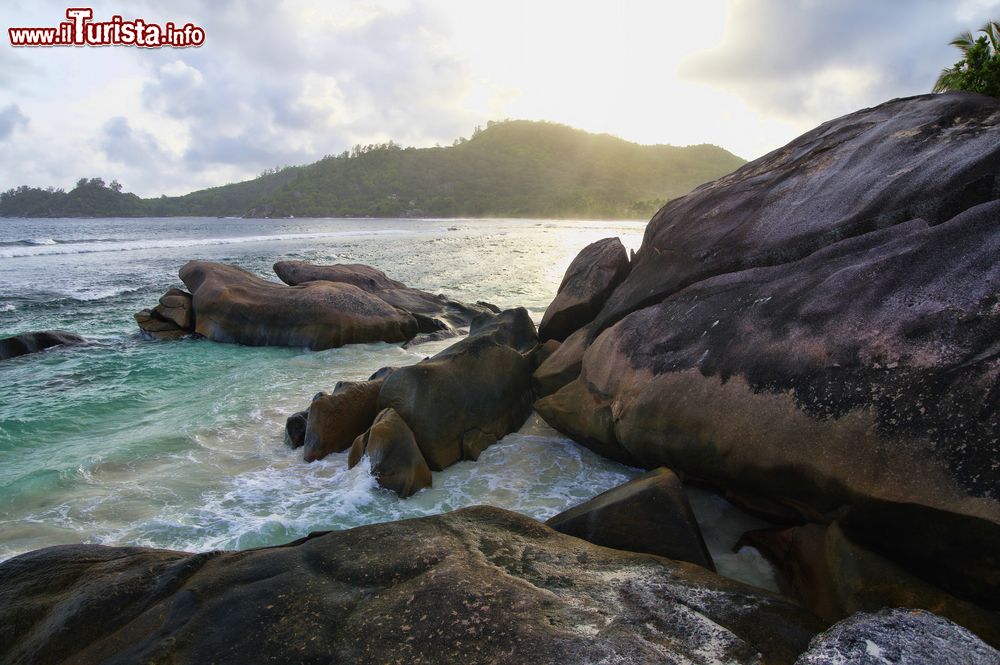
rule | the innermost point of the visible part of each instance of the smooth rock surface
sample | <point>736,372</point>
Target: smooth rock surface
<point>820,328</point>
<point>589,280</point>
<point>898,635</point>
<point>333,421</point>
<point>231,305</point>
<point>33,342</point>
<point>469,395</point>
<point>479,585</point>
<point>396,461</point>
<point>649,514</point>
<point>434,313</point>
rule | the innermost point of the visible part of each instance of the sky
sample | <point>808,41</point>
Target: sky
<point>283,82</point>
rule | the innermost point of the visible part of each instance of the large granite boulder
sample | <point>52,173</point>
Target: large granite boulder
<point>232,305</point>
<point>648,514</point>
<point>468,396</point>
<point>33,342</point>
<point>434,313</point>
<point>898,635</point>
<point>479,585</point>
<point>589,280</point>
<point>820,328</point>
<point>395,458</point>
<point>333,421</point>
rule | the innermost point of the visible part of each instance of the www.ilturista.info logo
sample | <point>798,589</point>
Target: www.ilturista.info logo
<point>80,30</point>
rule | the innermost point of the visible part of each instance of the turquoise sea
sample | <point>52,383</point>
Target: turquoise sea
<point>179,444</point>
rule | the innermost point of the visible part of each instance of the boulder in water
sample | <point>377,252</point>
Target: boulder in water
<point>231,305</point>
<point>33,342</point>
<point>471,394</point>
<point>396,461</point>
<point>333,421</point>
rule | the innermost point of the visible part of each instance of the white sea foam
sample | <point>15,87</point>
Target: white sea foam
<point>90,247</point>
<point>7,307</point>
<point>41,241</point>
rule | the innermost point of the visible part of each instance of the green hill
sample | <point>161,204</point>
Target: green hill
<point>514,168</point>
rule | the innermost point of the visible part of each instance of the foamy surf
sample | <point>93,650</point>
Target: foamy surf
<point>109,245</point>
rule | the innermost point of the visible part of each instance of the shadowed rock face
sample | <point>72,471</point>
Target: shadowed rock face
<point>585,287</point>
<point>833,577</point>
<point>649,514</point>
<point>231,305</point>
<point>434,313</point>
<point>898,636</point>
<point>32,342</point>
<point>471,394</point>
<point>479,585</point>
<point>820,328</point>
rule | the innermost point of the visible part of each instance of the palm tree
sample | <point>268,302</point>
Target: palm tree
<point>979,68</point>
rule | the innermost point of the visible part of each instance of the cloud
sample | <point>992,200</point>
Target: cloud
<point>11,119</point>
<point>318,87</point>
<point>808,61</point>
<point>124,145</point>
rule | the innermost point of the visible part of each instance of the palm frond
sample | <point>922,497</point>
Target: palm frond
<point>964,41</point>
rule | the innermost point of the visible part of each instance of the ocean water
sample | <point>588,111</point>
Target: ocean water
<point>179,444</point>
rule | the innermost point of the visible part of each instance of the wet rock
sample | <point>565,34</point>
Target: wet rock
<point>32,342</point>
<point>295,429</point>
<point>471,394</point>
<point>589,280</point>
<point>396,461</point>
<point>231,305</point>
<point>479,585</point>
<point>649,514</point>
<point>819,328</point>
<point>335,420</point>
<point>898,635</point>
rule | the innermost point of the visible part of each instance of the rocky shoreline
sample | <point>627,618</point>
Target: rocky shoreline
<point>815,336</point>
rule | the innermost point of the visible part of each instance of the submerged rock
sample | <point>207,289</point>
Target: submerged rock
<point>898,636</point>
<point>589,280</point>
<point>469,395</point>
<point>32,342</point>
<point>231,305</point>
<point>819,328</point>
<point>396,461</point>
<point>334,421</point>
<point>648,514</point>
<point>479,585</point>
